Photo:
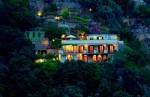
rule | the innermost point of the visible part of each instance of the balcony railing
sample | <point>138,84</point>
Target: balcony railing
<point>89,41</point>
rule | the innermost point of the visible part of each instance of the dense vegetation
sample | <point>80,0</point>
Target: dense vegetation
<point>126,76</point>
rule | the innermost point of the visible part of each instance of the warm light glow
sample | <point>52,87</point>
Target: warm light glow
<point>101,49</point>
<point>91,49</point>
<point>57,18</point>
<point>115,45</point>
<point>95,37</point>
<point>111,48</point>
<point>82,33</point>
<point>100,38</point>
<point>39,13</point>
<point>63,36</point>
<point>69,57</point>
<point>39,60</point>
<point>99,58</point>
<point>85,58</point>
<point>116,37</point>
<point>90,9</point>
<point>59,57</point>
<point>81,48</point>
<point>94,58</point>
<point>68,48</point>
<point>104,45</point>
<point>79,56</point>
<point>86,46</point>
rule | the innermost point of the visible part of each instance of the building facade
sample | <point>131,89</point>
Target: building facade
<point>89,48</point>
<point>37,37</point>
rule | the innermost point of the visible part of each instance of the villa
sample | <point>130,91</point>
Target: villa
<point>89,48</point>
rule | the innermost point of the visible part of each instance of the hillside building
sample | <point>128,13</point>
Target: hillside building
<point>89,48</point>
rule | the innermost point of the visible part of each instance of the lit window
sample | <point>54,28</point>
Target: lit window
<point>99,58</point>
<point>101,49</point>
<point>111,48</point>
<point>94,58</point>
<point>99,38</point>
<point>69,57</point>
<point>81,48</point>
<point>79,56</point>
<point>91,49</point>
<point>85,58</point>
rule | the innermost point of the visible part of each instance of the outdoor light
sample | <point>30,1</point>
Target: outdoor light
<point>39,13</point>
<point>90,9</point>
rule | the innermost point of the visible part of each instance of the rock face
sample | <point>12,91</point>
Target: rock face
<point>142,32</point>
<point>36,4</point>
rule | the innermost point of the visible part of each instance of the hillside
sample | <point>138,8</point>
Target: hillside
<point>32,37</point>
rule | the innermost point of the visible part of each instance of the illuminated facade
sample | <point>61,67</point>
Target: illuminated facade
<point>90,48</point>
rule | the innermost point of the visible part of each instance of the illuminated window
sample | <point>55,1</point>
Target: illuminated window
<point>99,57</point>
<point>81,48</point>
<point>68,48</point>
<point>85,58</point>
<point>91,49</point>
<point>75,48</point>
<point>99,38</point>
<point>94,58</point>
<point>111,48</point>
<point>69,57</point>
<point>79,56</point>
<point>104,57</point>
<point>101,49</point>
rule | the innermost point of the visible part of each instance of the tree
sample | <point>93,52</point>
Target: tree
<point>52,31</point>
<point>16,13</point>
<point>142,11</point>
<point>126,6</point>
<point>65,12</point>
<point>121,93</point>
<point>104,88</point>
<point>15,41</point>
<point>72,91</point>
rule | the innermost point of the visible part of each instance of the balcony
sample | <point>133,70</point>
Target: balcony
<point>89,41</point>
<point>90,52</point>
<point>105,51</point>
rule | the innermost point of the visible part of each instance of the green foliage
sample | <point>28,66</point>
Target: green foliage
<point>52,31</point>
<point>131,56</point>
<point>121,93</point>
<point>54,7</point>
<point>38,56</point>
<point>50,56</point>
<point>72,91</point>
<point>65,12</point>
<point>19,2</point>
<point>126,6</point>
<point>56,43</point>
<point>16,44</point>
<point>50,65</point>
<point>104,88</point>
<point>80,19</point>
<point>145,75</point>
<point>19,15</point>
<point>77,71</point>
<point>142,11</point>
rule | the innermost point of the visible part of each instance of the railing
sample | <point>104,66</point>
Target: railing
<point>89,41</point>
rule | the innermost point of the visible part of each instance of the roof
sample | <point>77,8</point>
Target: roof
<point>39,46</point>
